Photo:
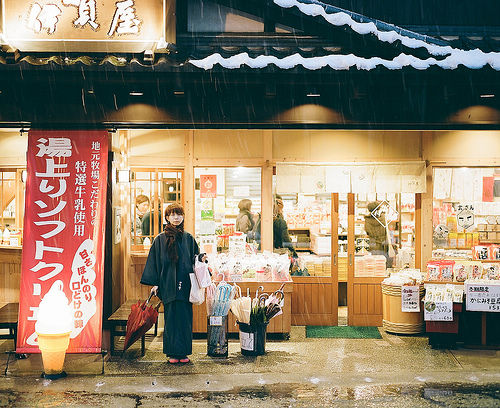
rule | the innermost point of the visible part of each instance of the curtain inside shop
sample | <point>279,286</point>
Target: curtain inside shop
<point>401,177</point>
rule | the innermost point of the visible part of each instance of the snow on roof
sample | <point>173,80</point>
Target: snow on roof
<point>473,59</point>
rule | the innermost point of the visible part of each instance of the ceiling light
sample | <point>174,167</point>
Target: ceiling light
<point>178,93</point>
<point>487,96</point>
<point>135,93</point>
<point>313,94</point>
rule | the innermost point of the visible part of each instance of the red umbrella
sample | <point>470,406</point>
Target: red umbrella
<point>141,318</point>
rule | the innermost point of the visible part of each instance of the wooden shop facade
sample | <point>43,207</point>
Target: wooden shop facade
<point>271,101</point>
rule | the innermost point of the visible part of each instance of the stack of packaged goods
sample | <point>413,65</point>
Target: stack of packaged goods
<point>461,271</point>
<point>250,267</point>
<point>370,266</point>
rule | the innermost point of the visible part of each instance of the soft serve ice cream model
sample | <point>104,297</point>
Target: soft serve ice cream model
<point>53,327</point>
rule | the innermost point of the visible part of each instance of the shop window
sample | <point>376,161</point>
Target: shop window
<point>152,190</point>
<point>307,236</point>
<point>384,233</point>
<point>208,16</point>
<point>12,207</point>
<point>228,207</point>
<point>466,213</point>
<point>219,194</point>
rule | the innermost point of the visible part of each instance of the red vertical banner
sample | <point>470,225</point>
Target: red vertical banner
<point>63,237</point>
<point>488,183</point>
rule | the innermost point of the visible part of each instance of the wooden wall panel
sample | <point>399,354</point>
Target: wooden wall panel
<point>367,304</point>
<point>228,144</point>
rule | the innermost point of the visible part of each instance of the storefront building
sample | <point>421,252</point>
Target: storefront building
<point>263,99</point>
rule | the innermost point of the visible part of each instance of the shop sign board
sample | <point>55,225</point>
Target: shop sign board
<point>410,299</point>
<point>438,311</point>
<point>63,235</point>
<point>465,216</point>
<point>83,25</point>
<point>208,186</point>
<point>482,298</point>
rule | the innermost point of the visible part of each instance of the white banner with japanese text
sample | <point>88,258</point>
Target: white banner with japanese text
<point>482,298</point>
<point>63,238</point>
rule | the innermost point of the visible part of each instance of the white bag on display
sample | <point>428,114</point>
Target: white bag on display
<point>197,294</point>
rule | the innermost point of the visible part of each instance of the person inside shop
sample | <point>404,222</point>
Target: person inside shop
<point>245,219</point>
<point>170,260</point>
<point>141,208</point>
<point>281,237</point>
<point>377,232</point>
<point>147,225</point>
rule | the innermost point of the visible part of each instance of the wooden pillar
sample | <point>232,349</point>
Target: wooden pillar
<point>334,216</point>
<point>188,183</point>
<point>351,249</point>
<point>418,231</point>
<point>266,226</point>
<point>426,227</point>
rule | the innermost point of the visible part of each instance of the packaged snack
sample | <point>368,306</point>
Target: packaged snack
<point>475,238</point>
<point>452,240</point>
<point>433,272</point>
<point>494,252</point>
<point>460,270</point>
<point>480,252</point>
<point>461,240</point>
<point>469,240</point>
<point>446,271</point>
<point>491,271</point>
<point>475,270</point>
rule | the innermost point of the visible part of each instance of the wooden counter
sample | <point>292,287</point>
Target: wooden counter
<point>280,324</point>
<point>10,273</point>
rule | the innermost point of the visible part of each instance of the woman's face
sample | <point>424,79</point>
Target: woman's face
<point>175,219</point>
<point>143,207</point>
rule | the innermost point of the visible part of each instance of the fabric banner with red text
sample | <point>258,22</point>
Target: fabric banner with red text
<point>63,238</point>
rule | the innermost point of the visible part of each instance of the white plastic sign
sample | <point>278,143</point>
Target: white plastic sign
<point>247,341</point>
<point>482,298</point>
<point>438,311</point>
<point>215,320</point>
<point>410,300</point>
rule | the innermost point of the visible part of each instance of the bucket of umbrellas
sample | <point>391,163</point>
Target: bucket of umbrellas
<point>253,316</point>
<point>218,302</point>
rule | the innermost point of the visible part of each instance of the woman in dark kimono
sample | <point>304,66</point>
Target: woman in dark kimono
<point>167,269</point>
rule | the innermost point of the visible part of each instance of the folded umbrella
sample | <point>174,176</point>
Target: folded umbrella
<point>141,318</point>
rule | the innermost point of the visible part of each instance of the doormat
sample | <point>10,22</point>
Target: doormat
<point>343,332</point>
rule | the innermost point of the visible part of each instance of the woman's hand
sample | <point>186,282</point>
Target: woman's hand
<point>154,290</point>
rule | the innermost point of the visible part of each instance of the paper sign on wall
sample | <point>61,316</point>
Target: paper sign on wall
<point>208,186</point>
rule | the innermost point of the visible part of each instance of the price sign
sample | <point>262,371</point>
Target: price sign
<point>438,311</point>
<point>483,298</point>
<point>410,299</point>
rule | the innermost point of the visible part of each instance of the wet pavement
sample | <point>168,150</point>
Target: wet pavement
<point>394,371</point>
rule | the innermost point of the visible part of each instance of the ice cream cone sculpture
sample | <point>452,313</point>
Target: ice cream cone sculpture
<point>53,327</point>
<point>53,348</point>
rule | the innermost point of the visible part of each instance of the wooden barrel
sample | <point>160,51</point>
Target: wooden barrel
<point>396,321</point>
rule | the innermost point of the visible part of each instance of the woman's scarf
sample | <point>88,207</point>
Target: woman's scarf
<point>173,232</point>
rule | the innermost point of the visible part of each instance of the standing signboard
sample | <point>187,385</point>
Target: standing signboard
<point>63,237</point>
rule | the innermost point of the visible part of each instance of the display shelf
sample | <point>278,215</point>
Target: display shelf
<point>442,283</point>
<point>489,241</point>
